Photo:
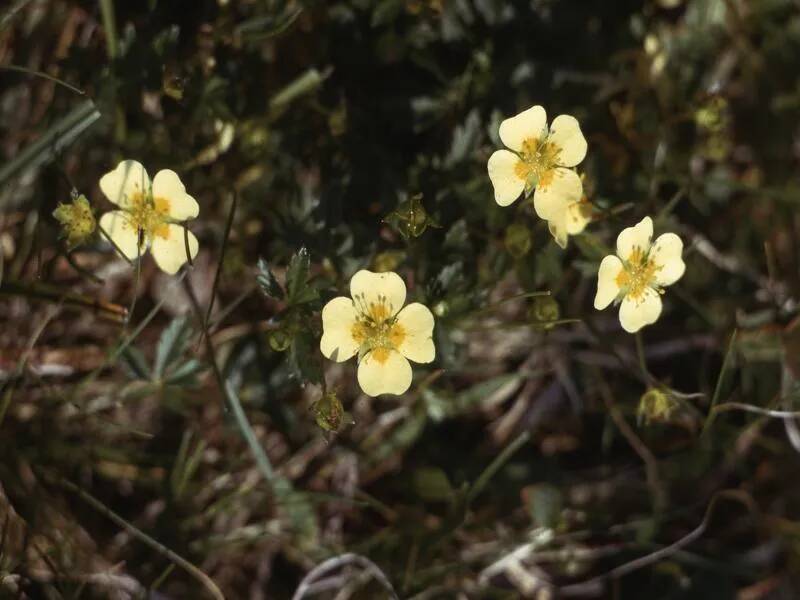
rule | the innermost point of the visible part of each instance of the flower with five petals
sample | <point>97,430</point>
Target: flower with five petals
<point>374,325</point>
<point>541,160</point>
<point>638,273</point>
<point>148,215</point>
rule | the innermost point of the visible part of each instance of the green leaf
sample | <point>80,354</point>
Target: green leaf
<point>297,289</point>
<point>267,282</point>
<point>432,485</point>
<point>304,357</point>
<point>441,406</point>
<point>134,361</point>
<point>184,373</point>
<point>544,504</point>
<point>171,345</point>
<point>52,142</point>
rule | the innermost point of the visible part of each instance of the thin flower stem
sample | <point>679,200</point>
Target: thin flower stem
<point>751,408</point>
<point>136,280</point>
<point>80,270</point>
<point>596,584</point>
<point>104,233</point>
<point>110,27</point>
<point>657,490</point>
<point>491,307</point>
<point>477,487</point>
<point>641,356</point>
<point>215,285</point>
<point>18,69</point>
<point>718,388</point>
<point>186,246</point>
<point>155,545</point>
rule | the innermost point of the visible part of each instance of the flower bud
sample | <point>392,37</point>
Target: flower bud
<point>410,218</point>
<point>518,240</point>
<point>543,311</point>
<point>328,412</point>
<point>279,340</point>
<point>655,405</point>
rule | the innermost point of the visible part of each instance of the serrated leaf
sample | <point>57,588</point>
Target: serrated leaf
<point>297,289</point>
<point>267,282</point>
<point>171,345</point>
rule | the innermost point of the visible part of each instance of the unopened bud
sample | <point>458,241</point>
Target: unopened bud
<point>518,240</point>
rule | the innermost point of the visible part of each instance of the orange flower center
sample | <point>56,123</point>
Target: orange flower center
<point>537,160</point>
<point>637,274</point>
<point>376,329</point>
<point>149,215</point>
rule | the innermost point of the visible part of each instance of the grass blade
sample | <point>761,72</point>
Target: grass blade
<point>52,142</point>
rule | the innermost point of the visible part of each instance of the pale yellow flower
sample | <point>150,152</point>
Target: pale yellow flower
<point>373,326</point>
<point>638,274</point>
<point>149,215</point>
<point>542,159</point>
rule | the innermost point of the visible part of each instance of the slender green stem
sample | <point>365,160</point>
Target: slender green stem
<point>155,545</point>
<point>110,27</point>
<point>136,280</point>
<point>641,356</point>
<point>718,387</point>
<point>33,73</point>
<point>105,234</point>
<point>597,582</point>
<point>495,465</point>
<point>215,285</point>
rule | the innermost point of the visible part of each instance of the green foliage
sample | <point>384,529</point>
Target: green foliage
<point>198,409</point>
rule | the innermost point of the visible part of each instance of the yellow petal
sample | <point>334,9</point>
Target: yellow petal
<point>636,312</point>
<point>338,319</point>
<point>414,328</point>
<point>381,295</point>
<point>384,371</point>
<point>170,193</point>
<point>558,229</point>
<point>566,135</point>
<point>556,191</point>
<point>577,217</point>
<point>666,254</point>
<point>116,225</point>
<point>607,286</point>
<point>126,183</point>
<point>507,183</point>
<point>169,247</point>
<point>529,124</point>
<point>631,238</point>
